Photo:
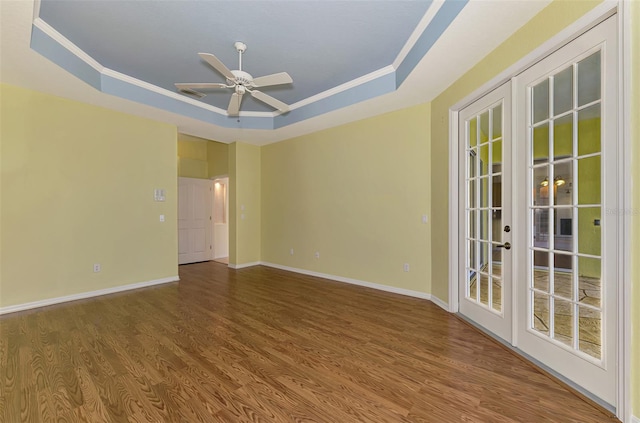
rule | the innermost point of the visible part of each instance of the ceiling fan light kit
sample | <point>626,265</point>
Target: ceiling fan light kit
<point>240,81</point>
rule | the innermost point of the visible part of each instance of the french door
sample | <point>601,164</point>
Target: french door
<point>485,287</point>
<point>561,267</point>
<point>567,300</point>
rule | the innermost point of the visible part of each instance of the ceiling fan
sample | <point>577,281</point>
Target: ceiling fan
<point>240,81</point>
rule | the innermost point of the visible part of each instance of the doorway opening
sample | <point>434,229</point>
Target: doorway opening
<point>220,219</point>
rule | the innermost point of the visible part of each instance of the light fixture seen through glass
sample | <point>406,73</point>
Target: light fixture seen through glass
<point>558,181</point>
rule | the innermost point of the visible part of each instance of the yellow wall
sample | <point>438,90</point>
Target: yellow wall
<point>635,173</point>
<point>218,159</point>
<point>77,189</point>
<point>355,194</point>
<point>192,157</point>
<point>244,203</point>
<point>201,158</point>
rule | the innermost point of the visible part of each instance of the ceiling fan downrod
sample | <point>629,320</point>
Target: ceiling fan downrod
<point>241,47</point>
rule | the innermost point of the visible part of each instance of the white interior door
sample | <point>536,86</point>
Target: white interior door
<point>485,244</point>
<point>194,220</point>
<point>566,126</point>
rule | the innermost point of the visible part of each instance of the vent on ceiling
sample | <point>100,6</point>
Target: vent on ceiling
<point>191,92</point>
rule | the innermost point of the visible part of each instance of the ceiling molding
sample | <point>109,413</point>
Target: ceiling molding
<point>422,25</point>
<point>344,87</point>
<point>376,83</point>
<point>67,44</point>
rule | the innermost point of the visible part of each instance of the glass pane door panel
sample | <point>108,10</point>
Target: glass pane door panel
<point>496,296</point>
<point>563,321</point>
<point>484,288</point>
<point>484,159</point>
<point>541,101</point>
<point>563,276</point>
<point>589,180</point>
<point>589,281</point>
<point>589,231</point>
<point>563,183</point>
<point>563,137</point>
<point>472,130</point>
<point>540,319</point>
<point>541,143</point>
<point>496,119</point>
<point>484,127</point>
<point>472,285</point>
<point>496,152</point>
<point>496,184</point>
<point>496,256</point>
<point>589,130</point>
<point>541,270</point>
<point>541,228</point>
<point>484,192</point>
<point>589,79</point>
<point>472,194</point>
<point>563,91</point>
<point>590,331</point>
<point>471,255</point>
<point>563,229</point>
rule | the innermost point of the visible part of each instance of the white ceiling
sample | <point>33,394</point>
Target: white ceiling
<point>478,28</point>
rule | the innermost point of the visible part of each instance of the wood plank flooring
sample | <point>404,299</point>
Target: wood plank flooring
<point>264,345</point>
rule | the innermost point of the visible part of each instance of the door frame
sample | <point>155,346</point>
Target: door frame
<point>604,10</point>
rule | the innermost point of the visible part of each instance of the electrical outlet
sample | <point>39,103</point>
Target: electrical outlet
<point>162,218</point>
<point>96,267</point>
<point>425,218</point>
<point>317,255</point>
<point>291,251</point>
<point>406,267</point>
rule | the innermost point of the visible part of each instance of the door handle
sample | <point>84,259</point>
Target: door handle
<point>506,246</point>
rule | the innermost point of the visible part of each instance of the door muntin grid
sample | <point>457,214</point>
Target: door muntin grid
<point>483,208</point>
<point>565,288</point>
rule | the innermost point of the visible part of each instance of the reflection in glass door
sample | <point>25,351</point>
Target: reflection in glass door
<point>565,286</point>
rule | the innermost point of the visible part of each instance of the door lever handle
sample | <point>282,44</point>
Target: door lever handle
<point>506,246</point>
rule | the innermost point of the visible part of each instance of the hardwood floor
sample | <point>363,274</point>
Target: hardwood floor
<point>264,345</point>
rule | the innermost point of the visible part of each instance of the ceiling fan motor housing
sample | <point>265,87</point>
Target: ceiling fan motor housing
<point>242,78</point>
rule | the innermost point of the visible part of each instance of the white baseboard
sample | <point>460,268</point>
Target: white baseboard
<point>84,295</point>
<point>377,286</point>
<point>243,265</point>
<point>635,419</point>
<point>437,301</point>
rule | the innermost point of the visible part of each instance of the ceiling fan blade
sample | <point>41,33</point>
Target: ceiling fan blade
<point>274,79</point>
<point>217,65</point>
<point>202,86</point>
<point>234,104</point>
<point>273,102</point>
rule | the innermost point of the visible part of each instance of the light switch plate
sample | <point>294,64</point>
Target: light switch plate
<point>158,194</point>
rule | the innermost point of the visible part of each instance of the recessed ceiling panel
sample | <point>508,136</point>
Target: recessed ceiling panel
<point>321,44</point>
